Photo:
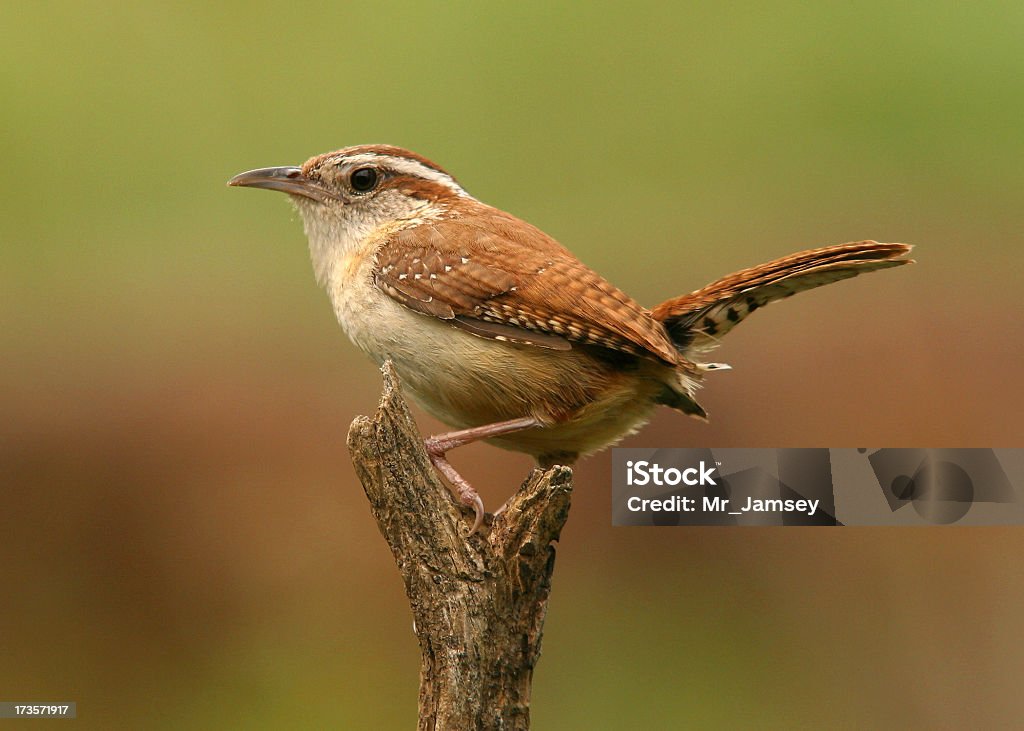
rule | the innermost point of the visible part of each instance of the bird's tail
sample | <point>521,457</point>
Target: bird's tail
<point>697,321</point>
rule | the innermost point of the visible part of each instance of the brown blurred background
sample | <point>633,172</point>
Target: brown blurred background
<point>183,543</point>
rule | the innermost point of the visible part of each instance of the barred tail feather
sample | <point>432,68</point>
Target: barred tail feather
<point>696,321</point>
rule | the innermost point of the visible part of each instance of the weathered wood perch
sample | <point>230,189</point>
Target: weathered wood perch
<point>478,602</point>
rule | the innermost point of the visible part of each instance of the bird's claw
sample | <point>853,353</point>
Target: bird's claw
<point>473,500</point>
<point>467,495</point>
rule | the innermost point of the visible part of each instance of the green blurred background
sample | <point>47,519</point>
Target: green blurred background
<point>183,543</point>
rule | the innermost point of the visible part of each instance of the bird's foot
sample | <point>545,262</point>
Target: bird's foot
<point>438,446</point>
<point>468,496</point>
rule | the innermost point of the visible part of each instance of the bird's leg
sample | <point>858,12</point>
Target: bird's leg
<point>437,446</point>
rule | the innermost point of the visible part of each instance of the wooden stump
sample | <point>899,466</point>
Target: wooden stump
<point>478,602</point>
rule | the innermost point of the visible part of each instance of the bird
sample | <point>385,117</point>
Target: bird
<point>501,332</point>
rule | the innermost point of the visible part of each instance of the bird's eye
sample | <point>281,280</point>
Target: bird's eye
<point>363,179</point>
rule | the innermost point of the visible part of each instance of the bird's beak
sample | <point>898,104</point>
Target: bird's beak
<point>286,179</point>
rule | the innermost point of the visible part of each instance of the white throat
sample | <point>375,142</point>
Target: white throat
<point>334,235</point>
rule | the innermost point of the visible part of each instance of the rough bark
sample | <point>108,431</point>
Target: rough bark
<point>479,601</point>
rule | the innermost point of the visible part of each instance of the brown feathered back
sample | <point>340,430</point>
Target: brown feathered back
<point>459,270</point>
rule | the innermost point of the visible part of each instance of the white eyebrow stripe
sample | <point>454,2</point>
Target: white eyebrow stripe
<point>409,167</point>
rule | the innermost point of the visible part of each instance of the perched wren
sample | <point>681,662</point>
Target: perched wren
<point>497,329</point>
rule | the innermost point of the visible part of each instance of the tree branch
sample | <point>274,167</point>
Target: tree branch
<point>478,602</point>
